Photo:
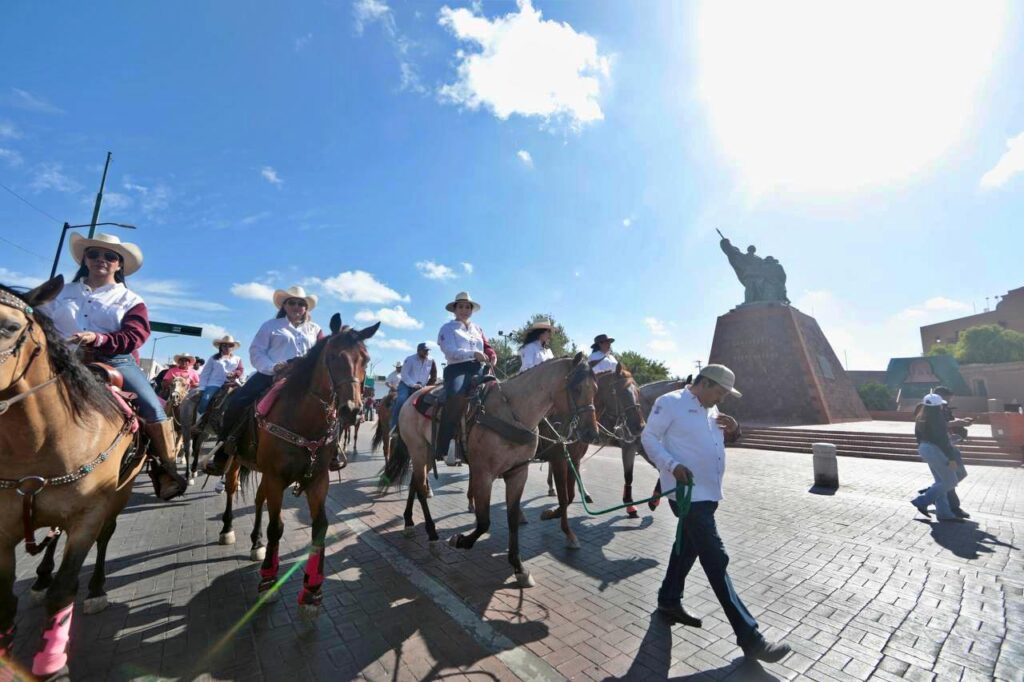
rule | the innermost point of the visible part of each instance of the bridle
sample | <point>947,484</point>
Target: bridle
<point>575,377</point>
<point>14,351</point>
<point>620,429</point>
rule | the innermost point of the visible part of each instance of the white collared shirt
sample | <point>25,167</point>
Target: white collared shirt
<point>280,341</point>
<point>681,431</point>
<point>217,370</point>
<point>606,362</point>
<point>393,380</point>
<point>534,353</point>
<point>459,342</point>
<point>80,308</point>
<point>416,371</point>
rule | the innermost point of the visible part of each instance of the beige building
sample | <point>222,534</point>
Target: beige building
<point>1008,313</point>
<point>1004,381</point>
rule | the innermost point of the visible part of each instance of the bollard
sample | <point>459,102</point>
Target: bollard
<point>826,468</point>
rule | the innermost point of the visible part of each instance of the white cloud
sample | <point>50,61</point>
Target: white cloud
<point>367,12</point>
<point>662,345</point>
<point>627,222</point>
<point>8,130</point>
<point>467,267</point>
<point>173,293</point>
<point>271,176</point>
<point>254,218</point>
<point>253,290</point>
<point>525,157</point>
<point>944,307</point>
<point>432,270</point>
<point>357,286</point>
<point>1010,164</point>
<point>17,279</point>
<point>393,317</point>
<point>656,326</point>
<point>302,41</point>
<point>210,330</point>
<point>129,185</point>
<point>527,66</point>
<point>23,99</point>
<point>152,200</point>
<point>12,157</point>
<point>51,176</point>
<point>115,200</point>
<point>393,344</point>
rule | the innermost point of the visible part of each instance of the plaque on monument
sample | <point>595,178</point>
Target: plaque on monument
<point>784,365</point>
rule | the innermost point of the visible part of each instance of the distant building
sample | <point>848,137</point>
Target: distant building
<point>1008,313</point>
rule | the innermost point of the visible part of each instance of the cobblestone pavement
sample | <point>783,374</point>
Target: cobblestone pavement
<point>857,582</point>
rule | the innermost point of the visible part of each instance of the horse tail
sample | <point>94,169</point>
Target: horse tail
<point>378,436</point>
<point>396,465</point>
<point>245,481</point>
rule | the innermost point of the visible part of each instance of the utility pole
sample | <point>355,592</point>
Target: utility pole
<point>99,199</point>
<point>699,365</point>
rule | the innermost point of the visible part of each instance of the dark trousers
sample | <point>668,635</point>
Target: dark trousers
<point>701,541</point>
<point>241,399</point>
<point>456,383</point>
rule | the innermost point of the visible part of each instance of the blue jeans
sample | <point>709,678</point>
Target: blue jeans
<point>945,480</point>
<point>245,396</point>
<point>456,382</point>
<point>206,397</point>
<point>135,381</point>
<point>701,541</point>
<point>403,393</point>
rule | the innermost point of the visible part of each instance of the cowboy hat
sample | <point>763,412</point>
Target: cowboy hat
<point>599,339</point>
<point>723,376</point>
<point>184,356</point>
<point>398,365</point>
<point>540,324</point>
<point>282,295</point>
<point>129,253</point>
<point>227,338</point>
<point>459,298</point>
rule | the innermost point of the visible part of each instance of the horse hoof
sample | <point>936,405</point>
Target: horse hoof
<point>37,596</point>
<point>191,481</point>
<point>258,554</point>
<point>552,493</point>
<point>572,543</point>
<point>549,514</point>
<point>525,580</point>
<point>95,604</point>
<point>227,538</point>
<point>471,508</point>
<point>430,491</point>
<point>632,513</point>
<point>453,541</point>
<point>309,612</point>
<point>408,531</point>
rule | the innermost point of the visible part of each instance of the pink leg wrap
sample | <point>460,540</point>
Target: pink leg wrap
<point>53,656</point>
<point>6,644</point>
<point>267,573</point>
<point>314,569</point>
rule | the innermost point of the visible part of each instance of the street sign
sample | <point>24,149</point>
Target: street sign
<point>168,328</point>
<point>368,382</point>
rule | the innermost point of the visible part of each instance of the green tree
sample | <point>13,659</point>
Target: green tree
<point>989,343</point>
<point>644,370</point>
<point>876,396</point>
<point>507,345</point>
<point>942,349</point>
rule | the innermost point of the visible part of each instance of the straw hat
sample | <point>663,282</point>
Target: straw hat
<point>130,253</point>
<point>227,338</point>
<point>459,298</point>
<point>184,356</point>
<point>540,324</point>
<point>723,376</point>
<point>282,295</point>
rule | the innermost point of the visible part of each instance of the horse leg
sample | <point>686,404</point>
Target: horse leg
<point>428,520</point>
<point>312,582</point>
<point>407,516</point>
<point>551,480</point>
<point>480,497</point>
<point>628,457</point>
<point>227,533</point>
<point>258,552</point>
<point>355,440</point>
<point>514,484</point>
<point>274,492</point>
<point>97,599</point>
<point>44,574</point>
<point>8,600</point>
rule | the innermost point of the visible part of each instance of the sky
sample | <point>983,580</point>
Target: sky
<point>571,158</point>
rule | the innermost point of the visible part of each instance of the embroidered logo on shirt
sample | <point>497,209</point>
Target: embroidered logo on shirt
<point>657,409</point>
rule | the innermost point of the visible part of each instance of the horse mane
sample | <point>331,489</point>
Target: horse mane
<point>300,377</point>
<point>83,392</point>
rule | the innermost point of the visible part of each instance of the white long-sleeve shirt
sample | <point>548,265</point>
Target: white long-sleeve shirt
<point>217,370</point>
<point>79,308</point>
<point>459,342</point>
<point>681,431</point>
<point>532,354</point>
<point>280,341</point>
<point>393,380</point>
<point>416,370</point>
<point>606,362</point>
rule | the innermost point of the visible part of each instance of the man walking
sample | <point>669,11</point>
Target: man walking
<point>685,440</point>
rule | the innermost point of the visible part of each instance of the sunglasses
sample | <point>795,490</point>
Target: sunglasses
<point>108,256</point>
<point>296,301</point>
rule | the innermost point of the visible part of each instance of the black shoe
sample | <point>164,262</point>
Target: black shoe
<point>923,510</point>
<point>960,513</point>
<point>677,614</point>
<point>769,652</point>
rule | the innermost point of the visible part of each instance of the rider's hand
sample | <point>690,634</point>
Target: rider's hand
<point>479,357</point>
<point>280,366</point>
<point>84,338</point>
<point>727,424</point>
<point>682,474</point>
<point>418,386</point>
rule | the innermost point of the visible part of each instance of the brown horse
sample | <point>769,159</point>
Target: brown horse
<point>620,420</point>
<point>195,428</point>
<point>350,434</point>
<point>381,436</point>
<point>293,444</point>
<point>63,444</point>
<point>566,385</point>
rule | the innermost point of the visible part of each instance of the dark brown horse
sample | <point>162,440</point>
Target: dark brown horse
<point>381,436</point>
<point>63,441</point>
<point>293,443</point>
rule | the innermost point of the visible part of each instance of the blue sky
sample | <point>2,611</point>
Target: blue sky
<point>563,157</point>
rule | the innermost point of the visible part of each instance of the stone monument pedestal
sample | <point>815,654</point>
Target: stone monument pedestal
<point>785,368</point>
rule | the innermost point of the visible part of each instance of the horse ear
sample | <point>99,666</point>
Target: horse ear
<point>45,292</point>
<point>335,323</point>
<point>364,334</point>
<point>689,380</point>
<point>578,358</point>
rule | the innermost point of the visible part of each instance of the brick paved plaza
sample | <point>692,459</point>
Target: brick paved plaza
<point>857,583</point>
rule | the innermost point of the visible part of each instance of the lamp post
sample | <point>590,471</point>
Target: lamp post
<point>152,356</point>
<point>92,227</point>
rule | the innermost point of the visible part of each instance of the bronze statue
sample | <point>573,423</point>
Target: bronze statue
<point>763,279</point>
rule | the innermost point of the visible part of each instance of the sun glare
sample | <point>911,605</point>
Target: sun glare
<point>835,97</point>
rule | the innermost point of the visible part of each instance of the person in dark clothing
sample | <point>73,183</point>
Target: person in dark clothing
<point>936,450</point>
<point>957,434</point>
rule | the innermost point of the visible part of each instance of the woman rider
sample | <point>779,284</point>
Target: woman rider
<point>601,358</point>
<point>289,335</point>
<point>466,351</point>
<point>535,345</point>
<point>223,367</point>
<point>110,323</point>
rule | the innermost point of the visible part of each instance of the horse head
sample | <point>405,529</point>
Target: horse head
<point>178,391</point>
<point>18,326</point>
<point>577,398</point>
<point>345,357</point>
<point>619,398</point>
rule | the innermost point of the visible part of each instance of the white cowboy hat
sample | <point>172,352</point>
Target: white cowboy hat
<point>282,295</point>
<point>540,324</point>
<point>227,338</point>
<point>184,356</point>
<point>460,297</point>
<point>130,253</point>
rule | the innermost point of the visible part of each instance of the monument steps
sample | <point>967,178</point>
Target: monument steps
<point>903,447</point>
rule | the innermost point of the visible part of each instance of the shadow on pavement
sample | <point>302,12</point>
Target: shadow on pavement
<point>965,540</point>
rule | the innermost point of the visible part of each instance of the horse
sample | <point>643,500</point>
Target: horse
<point>620,420</point>
<point>66,461</point>
<point>177,391</point>
<point>381,436</point>
<point>501,441</point>
<point>347,436</point>
<point>195,428</point>
<point>288,442</point>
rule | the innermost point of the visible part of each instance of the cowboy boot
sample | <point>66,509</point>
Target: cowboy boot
<point>163,445</point>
